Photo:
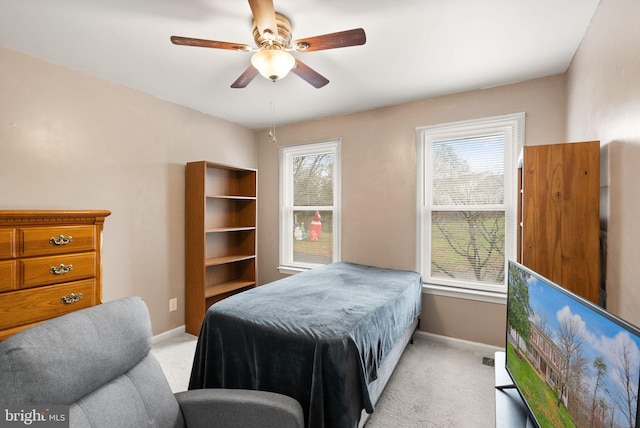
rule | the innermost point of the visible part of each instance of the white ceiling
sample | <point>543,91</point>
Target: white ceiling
<point>415,49</point>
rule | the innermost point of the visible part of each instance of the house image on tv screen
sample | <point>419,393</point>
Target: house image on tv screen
<point>548,360</point>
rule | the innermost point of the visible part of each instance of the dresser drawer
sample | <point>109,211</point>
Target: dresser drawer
<point>39,271</point>
<point>38,304</point>
<point>42,241</point>
<point>7,243</point>
<point>8,275</point>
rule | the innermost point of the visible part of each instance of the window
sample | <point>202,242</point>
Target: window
<point>467,196</point>
<point>309,205</point>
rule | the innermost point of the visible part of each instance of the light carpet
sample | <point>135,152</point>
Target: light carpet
<point>434,385</point>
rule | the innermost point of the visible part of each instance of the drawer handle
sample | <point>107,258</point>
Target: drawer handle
<point>60,240</point>
<point>71,298</point>
<point>61,270</point>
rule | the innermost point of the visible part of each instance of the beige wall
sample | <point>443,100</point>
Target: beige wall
<point>379,186</point>
<point>69,141</point>
<point>603,102</point>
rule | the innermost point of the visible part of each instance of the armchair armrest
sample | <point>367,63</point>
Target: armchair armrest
<point>232,408</point>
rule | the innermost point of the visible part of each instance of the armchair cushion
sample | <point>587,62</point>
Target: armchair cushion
<point>97,361</point>
<point>60,362</point>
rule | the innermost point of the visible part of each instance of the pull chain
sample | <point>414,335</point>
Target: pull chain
<point>272,117</point>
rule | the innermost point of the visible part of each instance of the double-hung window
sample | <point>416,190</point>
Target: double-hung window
<point>309,205</point>
<point>467,202</point>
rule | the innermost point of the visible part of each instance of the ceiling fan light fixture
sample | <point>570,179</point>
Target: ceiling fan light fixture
<point>274,64</point>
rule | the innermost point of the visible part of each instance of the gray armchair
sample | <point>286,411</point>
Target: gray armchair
<point>98,362</point>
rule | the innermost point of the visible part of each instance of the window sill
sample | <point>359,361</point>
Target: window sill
<point>460,293</point>
<point>288,270</point>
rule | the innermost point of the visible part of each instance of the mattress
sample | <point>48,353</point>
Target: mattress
<point>319,336</point>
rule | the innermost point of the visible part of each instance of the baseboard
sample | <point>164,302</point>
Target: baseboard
<point>463,345</point>
<point>167,335</point>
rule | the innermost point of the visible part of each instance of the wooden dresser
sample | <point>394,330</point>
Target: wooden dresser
<point>50,265</point>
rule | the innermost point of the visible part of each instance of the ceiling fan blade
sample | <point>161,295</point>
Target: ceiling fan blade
<point>202,43</point>
<point>264,16</point>
<point>245,78</point>
<point>308,74</point>
<point>340,39</point>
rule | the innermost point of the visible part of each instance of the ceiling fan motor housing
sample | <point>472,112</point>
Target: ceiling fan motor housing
<point>282,40</point>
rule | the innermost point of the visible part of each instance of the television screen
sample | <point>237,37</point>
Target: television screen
<point>573,363</point>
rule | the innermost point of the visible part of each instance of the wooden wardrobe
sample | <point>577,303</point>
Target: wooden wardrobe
<point>559,215</point>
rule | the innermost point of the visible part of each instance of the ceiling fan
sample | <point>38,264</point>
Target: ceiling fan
<point>271,58</point>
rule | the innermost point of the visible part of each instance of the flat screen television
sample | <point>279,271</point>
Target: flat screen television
<point>573,363</point>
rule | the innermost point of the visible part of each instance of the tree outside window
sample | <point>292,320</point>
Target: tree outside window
<point>467,236</point>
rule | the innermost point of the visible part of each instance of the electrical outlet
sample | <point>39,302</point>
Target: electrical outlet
<point>173,304</point>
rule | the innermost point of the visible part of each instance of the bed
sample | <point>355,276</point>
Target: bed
<point>328,337</point>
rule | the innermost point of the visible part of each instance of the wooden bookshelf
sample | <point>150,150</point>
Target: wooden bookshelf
<point>221,209</point>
